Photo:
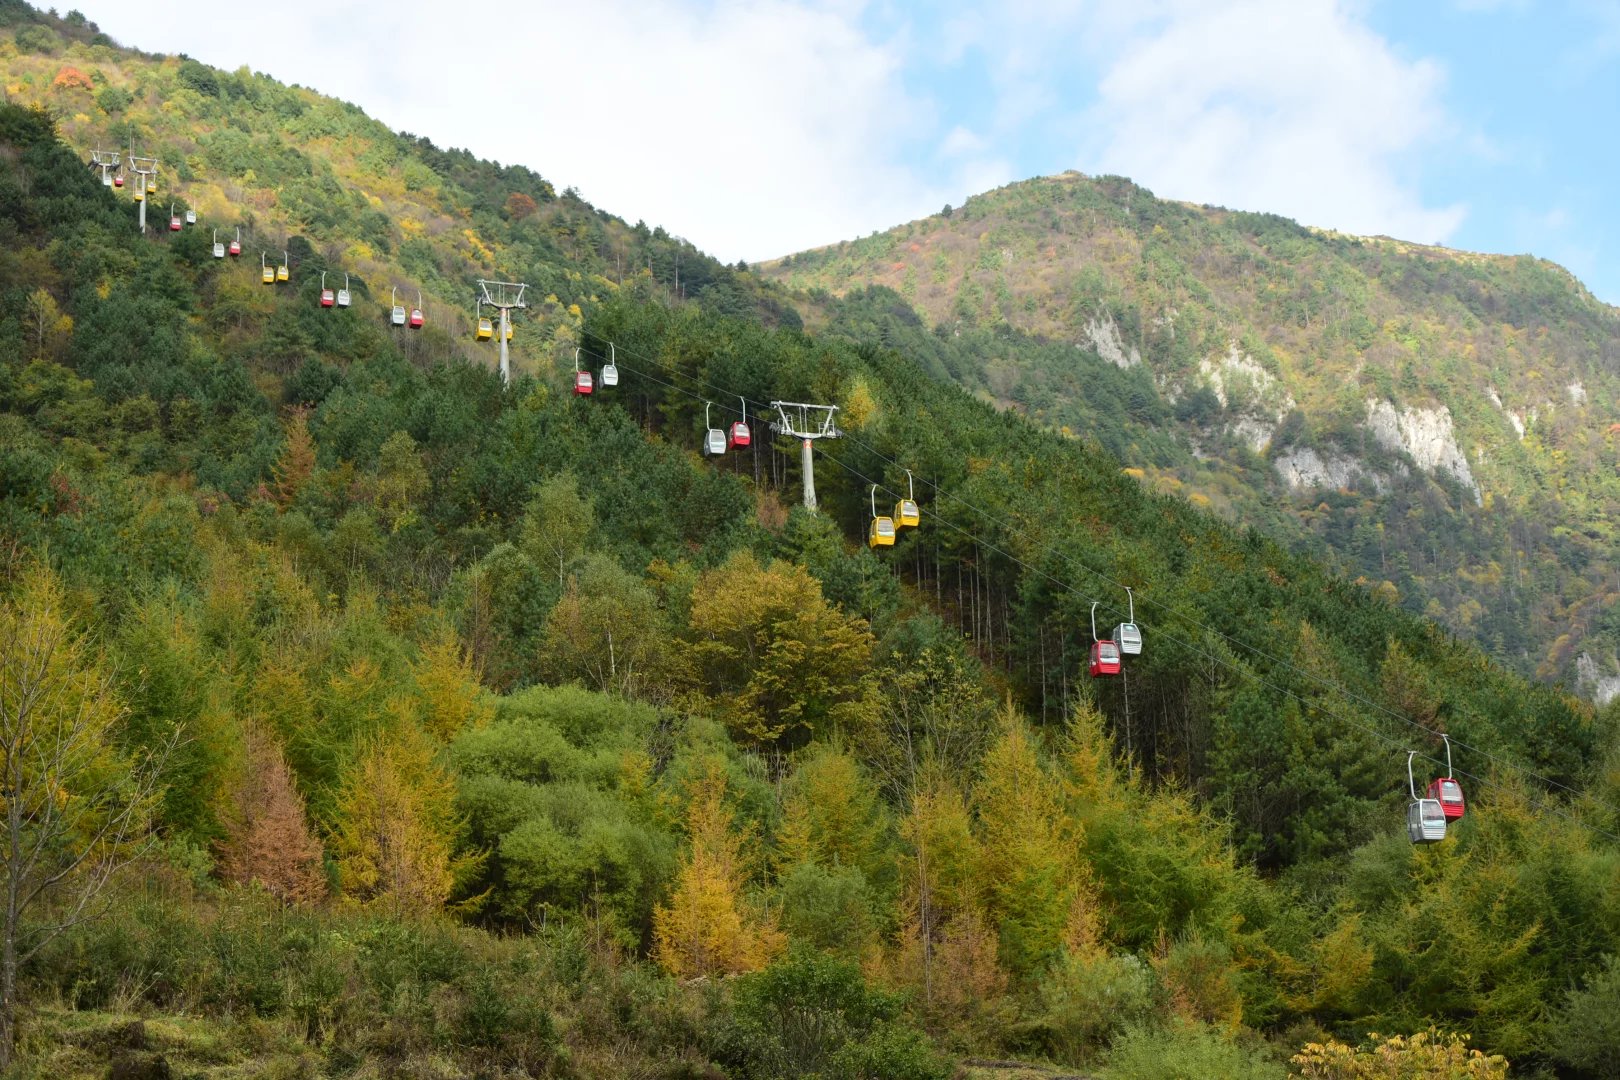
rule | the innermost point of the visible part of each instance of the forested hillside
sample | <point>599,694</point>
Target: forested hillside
<point>1434,419</point>
<point>443,728</point>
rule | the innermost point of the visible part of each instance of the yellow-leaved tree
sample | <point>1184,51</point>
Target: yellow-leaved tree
<point>449,697</point>
<point>706,929</point>
<point>396,827</point>
<point>1032,877</point>
<point>74,806</point>
<point>778,661</point>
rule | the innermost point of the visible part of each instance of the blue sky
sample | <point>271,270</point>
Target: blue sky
<point>759,127</point>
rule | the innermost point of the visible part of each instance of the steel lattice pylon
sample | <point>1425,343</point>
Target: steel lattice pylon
<point>503,296</point>
<point>806,423</point>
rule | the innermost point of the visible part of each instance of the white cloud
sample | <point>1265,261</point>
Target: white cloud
<point>1288,106</point>
<point>961,141</point>
<point>751,127</point>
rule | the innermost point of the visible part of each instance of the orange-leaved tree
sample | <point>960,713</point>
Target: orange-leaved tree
<point>267,833</point>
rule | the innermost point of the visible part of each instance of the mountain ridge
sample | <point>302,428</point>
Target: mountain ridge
<point>1264,365</point>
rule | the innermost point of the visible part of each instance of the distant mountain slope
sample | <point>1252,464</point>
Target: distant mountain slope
<point>1440,420</point>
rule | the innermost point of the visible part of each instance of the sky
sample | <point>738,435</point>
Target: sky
<point>755,128</point>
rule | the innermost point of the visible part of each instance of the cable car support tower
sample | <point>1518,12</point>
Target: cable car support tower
<point>806,423</point>
<point>503,296</point>
<point>106,161</point>
<point>145,170</point>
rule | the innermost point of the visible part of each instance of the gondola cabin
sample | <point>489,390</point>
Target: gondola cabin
<point>191,217</point>
<point>1104,659</point>
<point>268,275</point>
<point>508,331</point>
<point>139,195</point>
<point>1425,821</point>
<point>397,316</point>
<point>486,330</point>
<point>236,247</point>
<point>416,318</point>
<point>174,223</point>
<point>118,181</point>
<point>906,514</point>
<point>714,442</point>
<point>881,532</point>
<point>343,298</point>
<point>106,179</point>
<point>1449,794</point>
<point>583,383</point>
<point>610,374</point>
<point>739,435</point>
<point>328,298</point>
<point>1128,636</point>
<point>281,272</point>
<point>219,250</point>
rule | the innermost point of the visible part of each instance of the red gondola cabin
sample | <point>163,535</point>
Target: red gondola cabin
<point>1104,659</point>
<point>327,299</point>
<point>1450,795</point>
<point>236,247</point>
<point>416,318</point>
<point>583,383</point>
<point>174,224</point>
<point>739,435</point>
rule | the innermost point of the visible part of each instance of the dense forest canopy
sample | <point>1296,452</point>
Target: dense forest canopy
<point>495,730</point>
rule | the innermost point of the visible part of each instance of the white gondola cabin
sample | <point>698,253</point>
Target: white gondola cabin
<point>714,439</point>
<point>1127,635</point>
<point>219,248</point>
<point>191,217</point>
<point>610,370</point>
<point>1425,818</point>
<point>343,293</point>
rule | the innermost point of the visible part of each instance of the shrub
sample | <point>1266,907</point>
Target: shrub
<point>1586,1032</point>
<point>812,1015</point>
<point>1185,1050</point>
<point>1428,1055</point>
<point>1088,999</point>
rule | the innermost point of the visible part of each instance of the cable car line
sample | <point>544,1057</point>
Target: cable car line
<point>1482,781</point>
<point>1319,680</point>
<point>1074,562</point>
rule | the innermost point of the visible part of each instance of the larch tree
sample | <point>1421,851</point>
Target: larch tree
<point>705,930</point>
<point>449,697</point>
<point>76,806</point>
<point>396,824</point>
<point>267,833</point>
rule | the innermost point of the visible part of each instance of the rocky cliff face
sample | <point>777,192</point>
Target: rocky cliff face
<point>1424,435</point>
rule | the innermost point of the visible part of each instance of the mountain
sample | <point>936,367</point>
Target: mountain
<point>1437,420</point>
<point>392,720</point>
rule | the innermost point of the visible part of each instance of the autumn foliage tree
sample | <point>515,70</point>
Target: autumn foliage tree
<point>706,929</point>
<point>778,661</point>
<point>396,828</point>
<point>268,839</point>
